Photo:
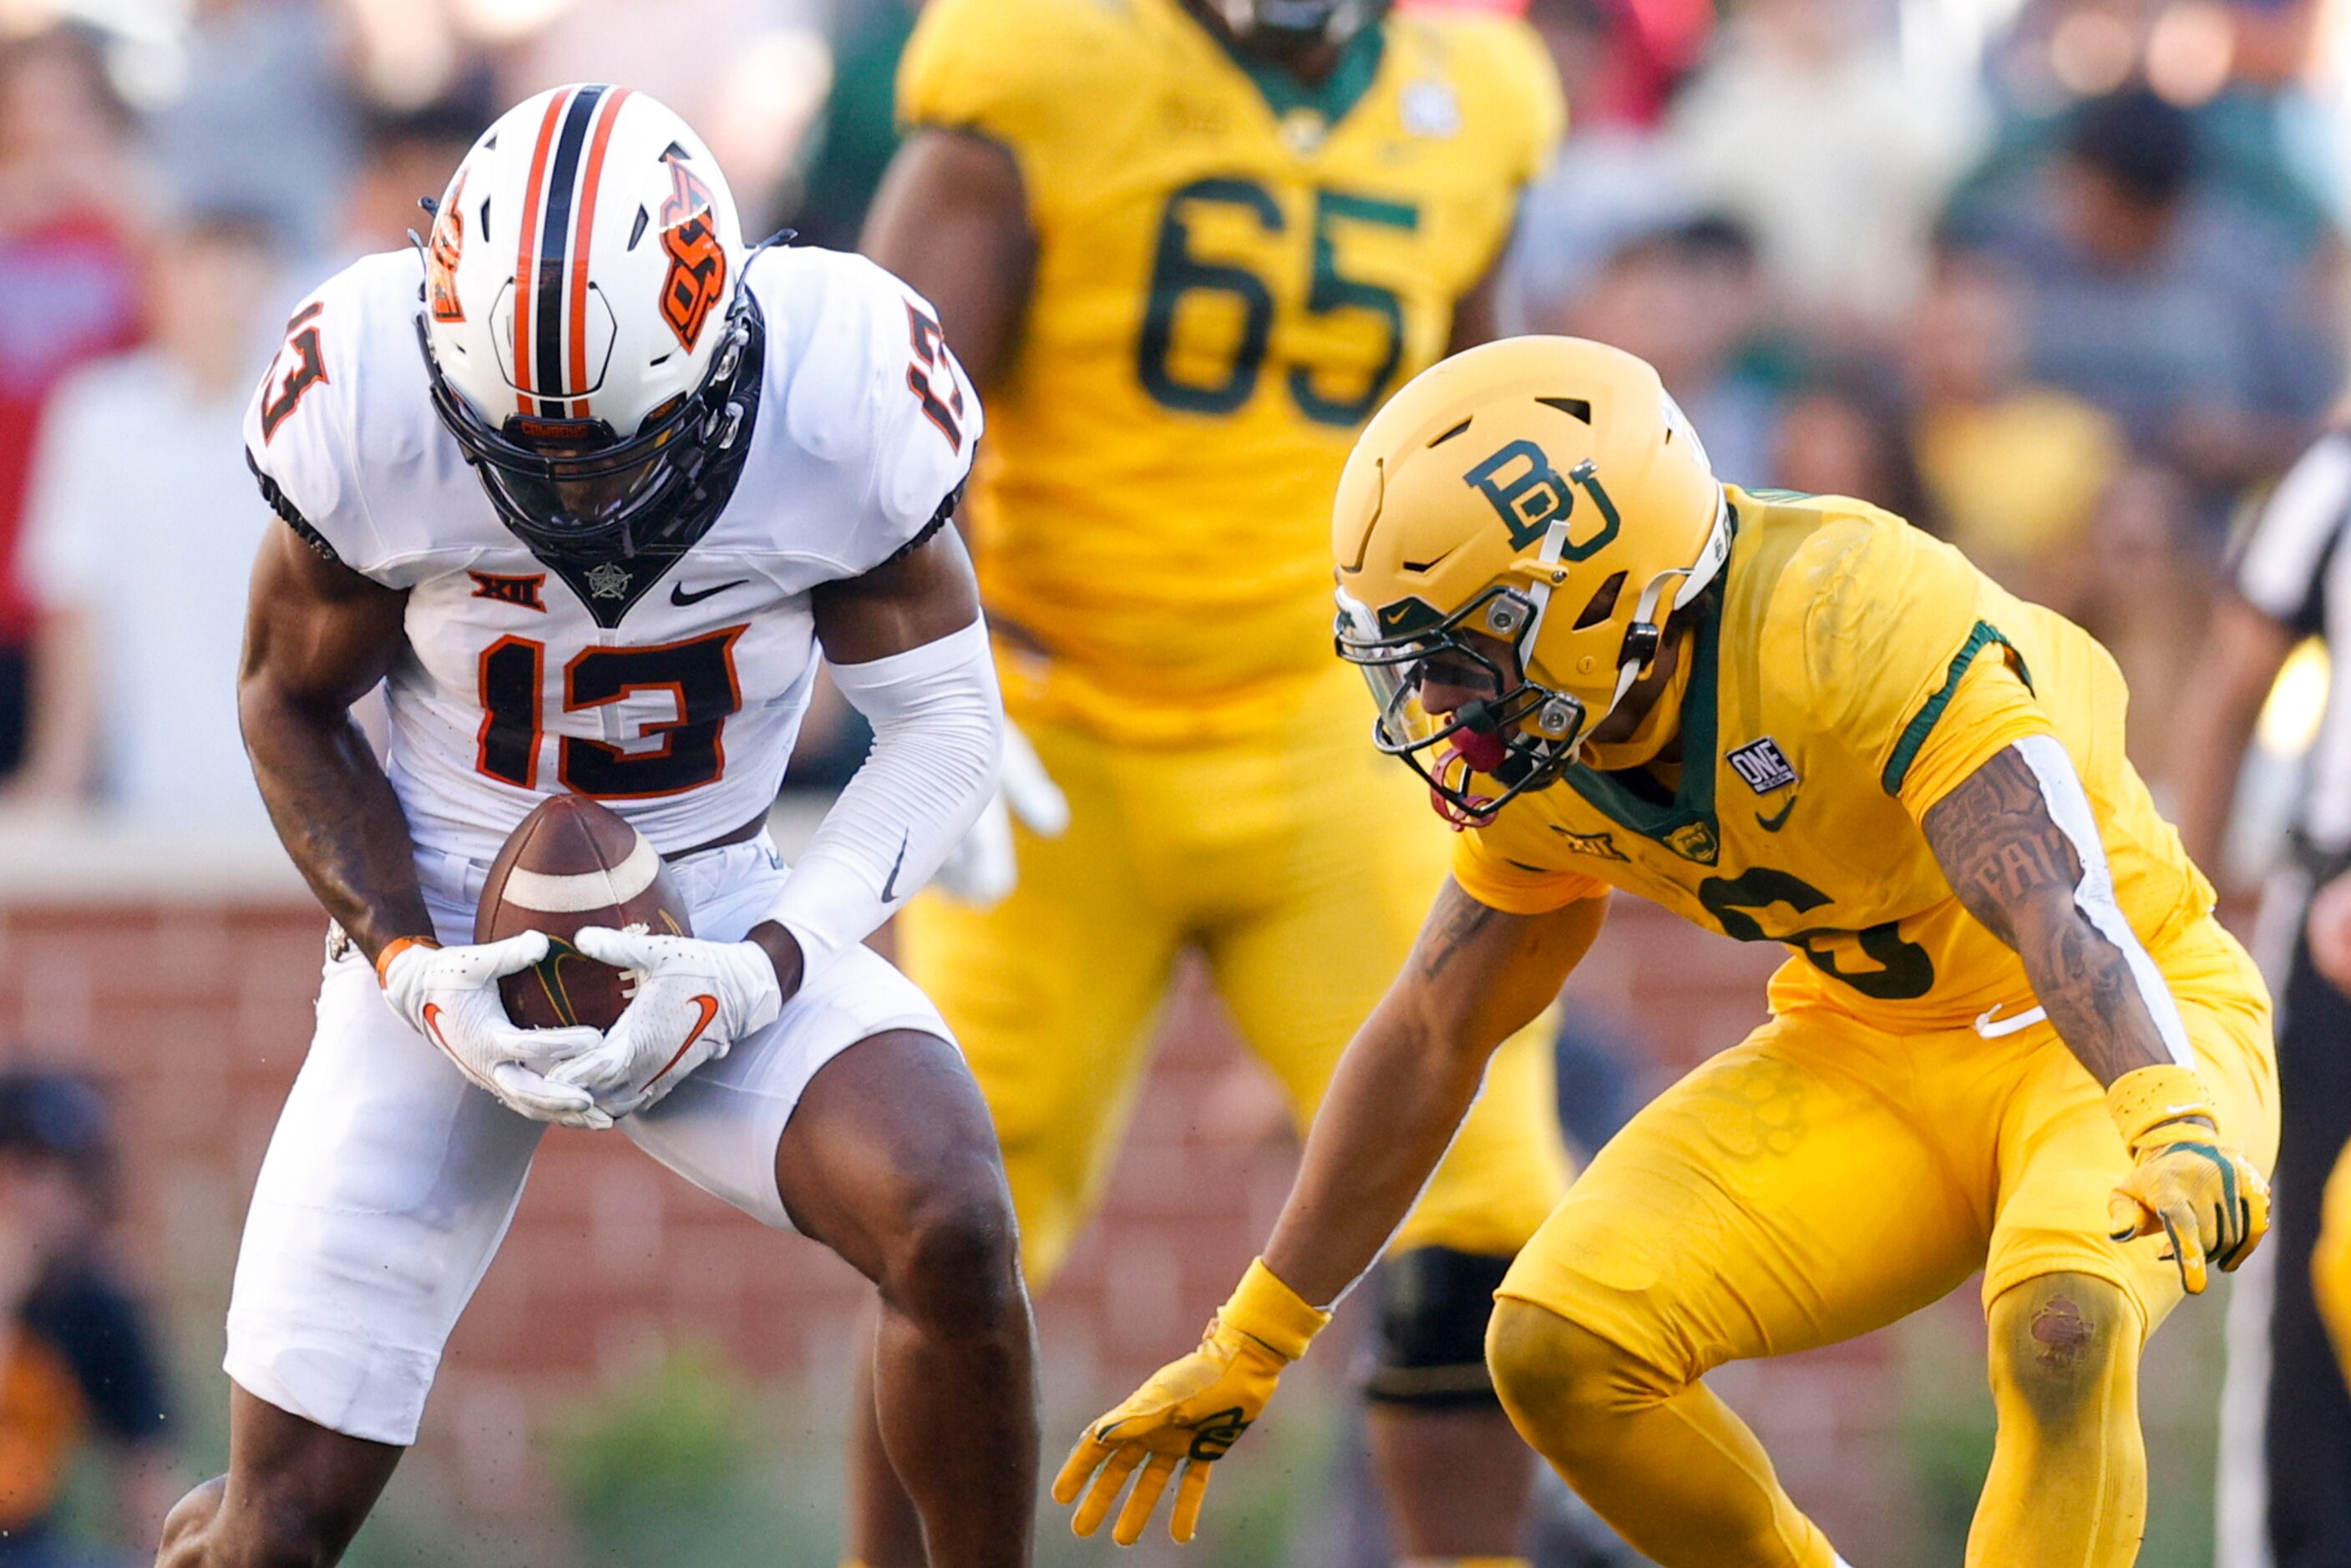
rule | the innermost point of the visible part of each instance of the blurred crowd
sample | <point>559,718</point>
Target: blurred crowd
<point>2061,281</point>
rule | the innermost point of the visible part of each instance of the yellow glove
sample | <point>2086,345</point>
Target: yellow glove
<point>1192,1410</point>
<point>2197,1191</point>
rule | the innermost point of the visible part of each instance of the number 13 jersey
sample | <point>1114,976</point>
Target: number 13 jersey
<point>670,687</point>
<point>1233,271</point>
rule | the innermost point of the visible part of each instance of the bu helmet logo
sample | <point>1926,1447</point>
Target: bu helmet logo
<point>698,265</point>
<point>1528,494</point>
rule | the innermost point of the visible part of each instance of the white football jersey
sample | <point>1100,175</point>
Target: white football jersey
<point>668,686</point>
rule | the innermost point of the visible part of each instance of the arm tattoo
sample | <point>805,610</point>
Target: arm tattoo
<point>1994,840</point>
<point>2014,869</point>
<point>1453,925</point>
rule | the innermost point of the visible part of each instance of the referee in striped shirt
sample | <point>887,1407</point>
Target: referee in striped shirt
<point>2287,1402</point>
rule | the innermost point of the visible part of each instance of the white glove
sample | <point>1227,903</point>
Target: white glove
<point>449,995</point>
<point>689,1002</point>
<point>981,868</point>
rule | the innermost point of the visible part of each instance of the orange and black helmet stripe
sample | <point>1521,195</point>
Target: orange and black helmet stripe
<point>526,236</point>
<point>580,251</point>
<point>550,317</point>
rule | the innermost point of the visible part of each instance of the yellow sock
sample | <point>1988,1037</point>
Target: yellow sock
<point>2068,1482</point>
<point>1672,1472</point>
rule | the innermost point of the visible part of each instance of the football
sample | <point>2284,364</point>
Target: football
<point>573,863</point>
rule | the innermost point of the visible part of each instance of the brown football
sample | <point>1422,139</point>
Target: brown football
<point>573,863</point>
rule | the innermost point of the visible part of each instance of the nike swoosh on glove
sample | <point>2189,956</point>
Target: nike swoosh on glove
<point>690,1001</point>
<point>449,995</point>
<point>1191,1412</point>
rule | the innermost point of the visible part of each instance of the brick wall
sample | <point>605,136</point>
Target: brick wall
<point>197,1009</point>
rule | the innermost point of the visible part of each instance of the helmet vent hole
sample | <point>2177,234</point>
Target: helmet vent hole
<point>482,220</point>
<point>637,230</point>
<point>677,151</point>
<point>1575,408</point>
<point>1601,605</point>
<point>1456,431</point>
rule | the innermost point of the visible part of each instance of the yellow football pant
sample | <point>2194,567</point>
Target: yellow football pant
<point>1301,872</point>
<point>1825,1179</point>
<point>2330,1260</point>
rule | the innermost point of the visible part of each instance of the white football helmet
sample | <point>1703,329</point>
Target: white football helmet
<point>585,324</point>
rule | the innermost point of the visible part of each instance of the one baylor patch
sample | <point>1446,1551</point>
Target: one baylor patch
<point>1763,765</point>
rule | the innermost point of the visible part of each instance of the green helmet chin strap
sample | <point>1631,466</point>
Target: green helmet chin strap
<point>1647,632</point>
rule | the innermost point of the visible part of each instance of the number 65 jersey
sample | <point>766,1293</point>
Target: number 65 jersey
<point>1234,269</point>
<point>668,686</point>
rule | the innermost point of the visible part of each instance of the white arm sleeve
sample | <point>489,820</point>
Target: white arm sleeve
<point>938,731</point>
<point>2094,895</point>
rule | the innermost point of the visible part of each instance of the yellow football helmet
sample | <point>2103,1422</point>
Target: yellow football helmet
<point>1548,493</point>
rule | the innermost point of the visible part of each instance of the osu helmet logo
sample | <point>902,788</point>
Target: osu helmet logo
<point>698,265</point>
<point>441,253</point>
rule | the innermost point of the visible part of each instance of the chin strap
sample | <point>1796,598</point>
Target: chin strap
<point>1646,633</point>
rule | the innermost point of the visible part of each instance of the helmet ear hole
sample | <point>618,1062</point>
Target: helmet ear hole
<point>1601,605</point>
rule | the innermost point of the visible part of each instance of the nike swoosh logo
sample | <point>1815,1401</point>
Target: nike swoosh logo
<point>1778,819</point>
<point>1992,1025</point>
<point>432,1027</point>
<point>709,1005</point>
<point>680,597</point>
<point>890,884</point>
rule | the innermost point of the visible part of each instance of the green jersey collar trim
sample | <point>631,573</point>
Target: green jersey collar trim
<point>1693,802</point>
<point>1922,723</point>
<point>1335,95</point>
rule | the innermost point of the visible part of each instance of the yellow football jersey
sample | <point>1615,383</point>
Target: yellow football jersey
<point>1232,272</point>
<point>1852,672</point>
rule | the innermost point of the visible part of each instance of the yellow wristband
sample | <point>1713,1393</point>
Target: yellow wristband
<point>2150,1097</point>
<point>1271,1313</point>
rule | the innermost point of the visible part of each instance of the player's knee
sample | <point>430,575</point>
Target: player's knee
<point>1435,1306</point>
<point>1562,1384</point>
<point>2057,1344</point>
<point>956,1265</point>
